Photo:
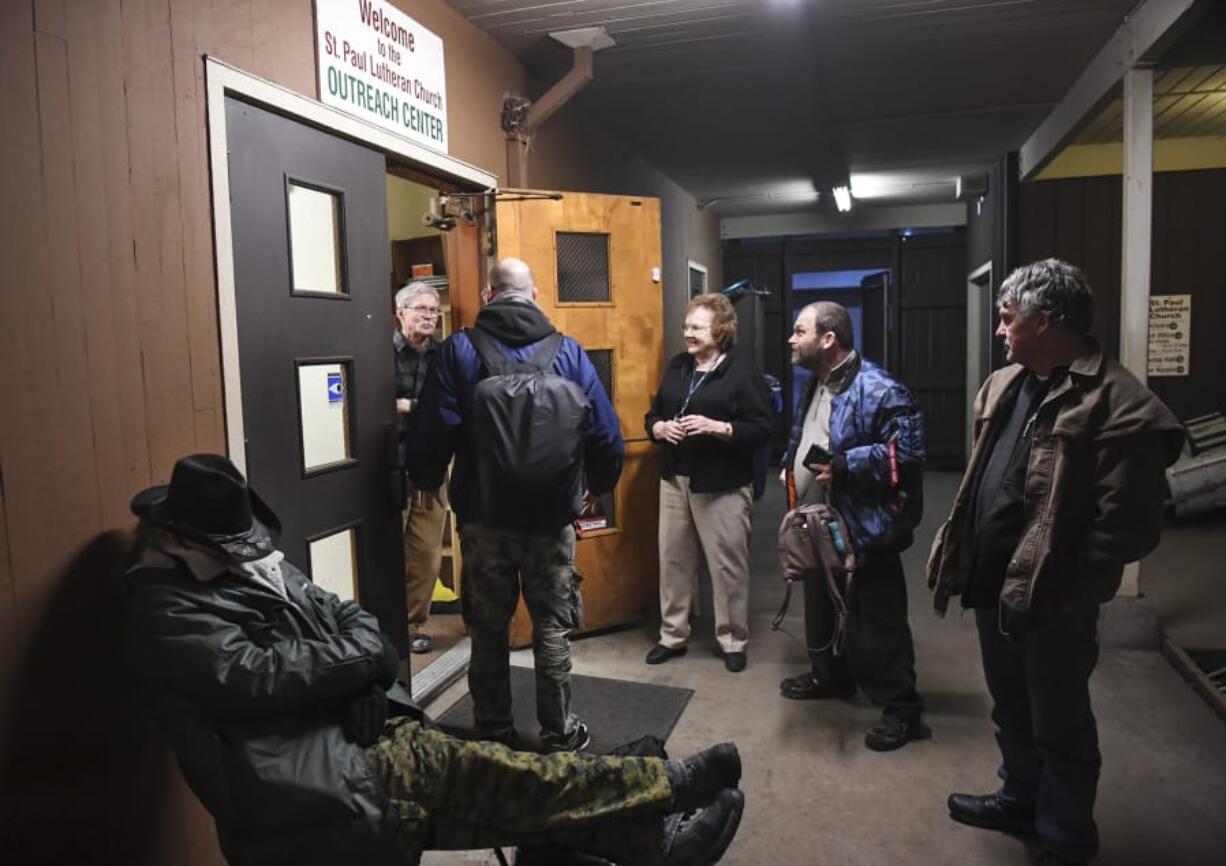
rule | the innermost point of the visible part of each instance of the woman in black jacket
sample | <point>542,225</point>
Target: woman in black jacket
<point>709,416</point>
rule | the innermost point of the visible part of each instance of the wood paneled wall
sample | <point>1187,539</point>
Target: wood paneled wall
<point>1078,220</point>
<point>109,340</point>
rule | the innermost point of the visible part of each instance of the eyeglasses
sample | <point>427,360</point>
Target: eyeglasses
<point>424,311</point>
<point>695,329</point>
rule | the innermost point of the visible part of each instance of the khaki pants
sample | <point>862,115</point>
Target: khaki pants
<point>423,555</point>
<point>716,524</point>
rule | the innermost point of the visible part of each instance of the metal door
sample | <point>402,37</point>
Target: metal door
<point>311,266</point>
<point>874,317</point>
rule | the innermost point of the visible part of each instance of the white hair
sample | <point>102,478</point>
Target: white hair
<point>406,295</point>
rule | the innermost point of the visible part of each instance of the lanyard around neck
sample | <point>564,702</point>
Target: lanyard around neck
<point>696,380</point>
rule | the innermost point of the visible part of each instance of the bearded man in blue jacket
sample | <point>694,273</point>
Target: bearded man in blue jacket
<point>869,434</point>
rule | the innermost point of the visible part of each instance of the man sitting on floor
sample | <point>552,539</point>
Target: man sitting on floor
<point>272,693</point>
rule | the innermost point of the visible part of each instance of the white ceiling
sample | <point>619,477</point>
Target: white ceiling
<point>750,104</point>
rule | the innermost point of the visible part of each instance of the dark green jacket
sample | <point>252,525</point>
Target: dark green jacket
<point>1093,493</point>
<point>249,690</point>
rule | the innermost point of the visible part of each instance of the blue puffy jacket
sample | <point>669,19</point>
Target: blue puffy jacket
<point>869,412</point>
<point>437,425</point>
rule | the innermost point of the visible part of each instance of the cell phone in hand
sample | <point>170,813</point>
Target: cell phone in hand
<point>818,454</point>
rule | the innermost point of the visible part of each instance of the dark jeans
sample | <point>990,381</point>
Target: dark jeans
<point>1044,724</point>
<point>878,655</point>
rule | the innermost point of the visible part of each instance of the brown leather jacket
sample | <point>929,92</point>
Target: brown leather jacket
<point>1093,493</point>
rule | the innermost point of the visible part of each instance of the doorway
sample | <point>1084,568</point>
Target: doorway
<point>864,294</point>
<point>422,252</point>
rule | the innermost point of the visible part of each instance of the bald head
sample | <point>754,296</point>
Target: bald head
<point>511,275</point>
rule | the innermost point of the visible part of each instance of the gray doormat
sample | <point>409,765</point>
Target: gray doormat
<point>616,711</point>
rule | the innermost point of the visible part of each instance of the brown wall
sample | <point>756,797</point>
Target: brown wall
<point>109,339</point>
<point>1079,220</point>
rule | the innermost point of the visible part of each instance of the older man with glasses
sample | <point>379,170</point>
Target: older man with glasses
<point>418,311</point>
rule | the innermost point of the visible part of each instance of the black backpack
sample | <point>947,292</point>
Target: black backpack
<point>527,435</point>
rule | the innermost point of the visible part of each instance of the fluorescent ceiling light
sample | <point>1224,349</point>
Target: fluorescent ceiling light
<point>842,198</point>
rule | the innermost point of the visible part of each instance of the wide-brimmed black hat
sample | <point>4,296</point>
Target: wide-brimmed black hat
<point>208,501</point>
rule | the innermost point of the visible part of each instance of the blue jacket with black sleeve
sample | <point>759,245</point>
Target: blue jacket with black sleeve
<point>436,430</point>
<point>869,412</point>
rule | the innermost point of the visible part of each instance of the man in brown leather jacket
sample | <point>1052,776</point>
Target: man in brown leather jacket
<point>1064,486</point>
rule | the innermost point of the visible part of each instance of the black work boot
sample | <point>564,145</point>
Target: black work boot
<point>894,730</point>
<point>698,780</point>
<point>701,838</point>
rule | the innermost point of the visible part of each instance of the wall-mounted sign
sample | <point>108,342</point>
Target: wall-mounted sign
<point>379,64</point>
<point>1170,334</point>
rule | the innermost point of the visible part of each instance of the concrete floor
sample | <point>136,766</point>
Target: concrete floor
<point>815,795</point>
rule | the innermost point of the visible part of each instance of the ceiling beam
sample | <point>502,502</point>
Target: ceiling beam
<point>1145,34</point>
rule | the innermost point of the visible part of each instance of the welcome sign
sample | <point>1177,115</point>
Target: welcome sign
<point>379,64</point>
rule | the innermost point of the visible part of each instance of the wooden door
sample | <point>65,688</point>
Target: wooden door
<point>596,260</point>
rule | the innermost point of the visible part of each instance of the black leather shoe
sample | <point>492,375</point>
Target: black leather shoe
<point>699,779</point>
<point>734,662</point>
<point>894,730</point>
<point>659,654</point>
<point>807,687</point>
<point>988,812</point>
<point>701,838</point>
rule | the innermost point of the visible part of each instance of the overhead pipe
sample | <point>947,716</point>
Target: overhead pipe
<point>520,126</point>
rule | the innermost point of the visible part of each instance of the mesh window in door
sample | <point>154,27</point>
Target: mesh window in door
<point>602,360</point>
<point>583,268</point>
<point>606,518</point>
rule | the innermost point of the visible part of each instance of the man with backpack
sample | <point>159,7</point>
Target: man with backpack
<point>534,437</point>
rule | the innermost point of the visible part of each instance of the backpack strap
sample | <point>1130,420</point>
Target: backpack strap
<point>546,350</point>
<point>496,363</point>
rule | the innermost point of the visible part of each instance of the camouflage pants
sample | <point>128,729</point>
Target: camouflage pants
<point>451,794</point>
<point>496,564</point>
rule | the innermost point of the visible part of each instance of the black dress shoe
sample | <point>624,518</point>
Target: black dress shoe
<point>807,687</point>
<point>988,812</point>
<point>734,662</point>
<point>659,654</point>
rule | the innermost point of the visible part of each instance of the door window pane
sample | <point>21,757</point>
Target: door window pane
<point>315,240</point>
<point>602,360</point>
<point>583,268</point>
<point>334,565</point>
<point>323,400</point>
